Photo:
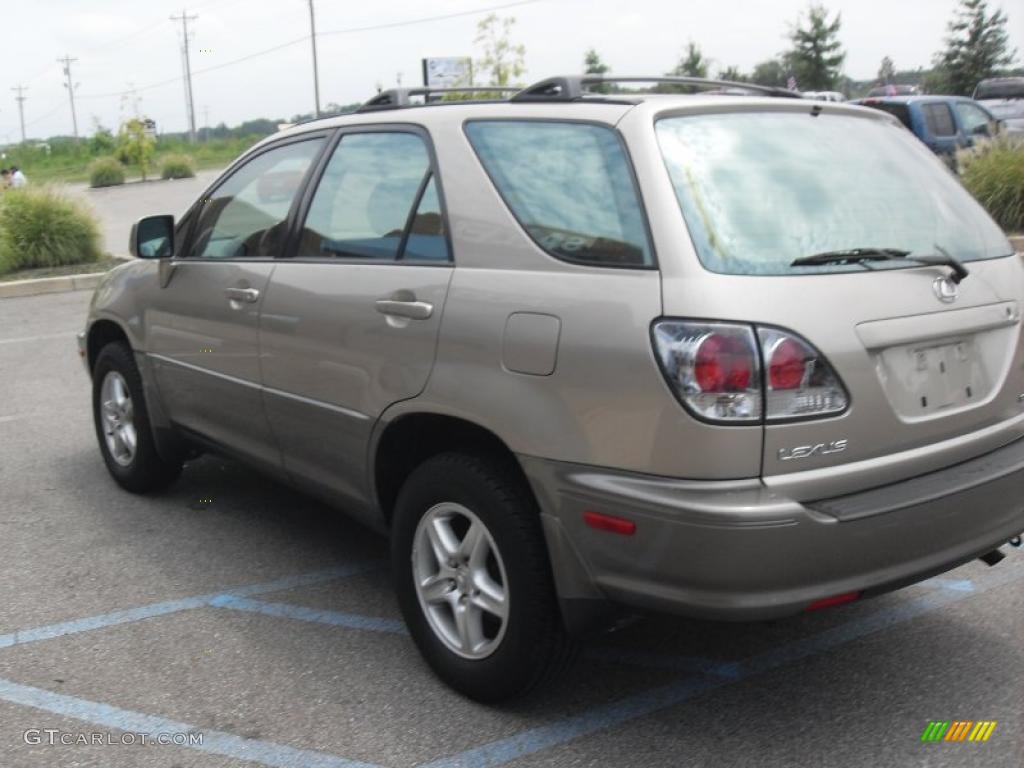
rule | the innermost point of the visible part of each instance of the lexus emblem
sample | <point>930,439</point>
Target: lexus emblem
<point>945,290</point>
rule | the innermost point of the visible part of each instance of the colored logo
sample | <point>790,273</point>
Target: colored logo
<point>958,730</point>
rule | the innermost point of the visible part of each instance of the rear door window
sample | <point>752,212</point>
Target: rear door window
<point>899,111</point>
<point>939,119</point>
<point>571,187</point>
<point>377,200</point>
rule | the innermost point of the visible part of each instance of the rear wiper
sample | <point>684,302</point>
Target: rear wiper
<point>850,256</point>
<point>859,255</point>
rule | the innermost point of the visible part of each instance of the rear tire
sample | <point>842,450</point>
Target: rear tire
<point>474,581</point>
<point>122,423</point>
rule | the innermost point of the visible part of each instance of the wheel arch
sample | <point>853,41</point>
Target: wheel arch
<point>102,332</point>
<point>410,439</point>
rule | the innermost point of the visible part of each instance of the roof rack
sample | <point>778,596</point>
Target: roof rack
<point>395,98</point>
<point>574,87</point>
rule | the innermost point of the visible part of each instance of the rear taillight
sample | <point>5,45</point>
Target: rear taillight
<point>743,374</point>
<point>713,367</point>
<point>800,382</point>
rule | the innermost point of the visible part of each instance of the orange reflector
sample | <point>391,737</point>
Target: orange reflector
<point>609,523</point>
<point>828,602</point>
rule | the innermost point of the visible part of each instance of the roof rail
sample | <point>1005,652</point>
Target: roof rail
<point>574,87</point>
<point>396,98</point>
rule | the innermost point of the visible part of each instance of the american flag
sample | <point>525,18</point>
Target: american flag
<point>791,83</point>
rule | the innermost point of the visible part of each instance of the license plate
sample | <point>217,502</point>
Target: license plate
<point>942,375</point>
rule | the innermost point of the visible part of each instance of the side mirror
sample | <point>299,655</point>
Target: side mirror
<point>152,237</point>
<point>982,130</point>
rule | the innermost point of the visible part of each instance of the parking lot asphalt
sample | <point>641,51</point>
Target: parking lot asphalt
<point>117,208</point>
<point>237,608</point>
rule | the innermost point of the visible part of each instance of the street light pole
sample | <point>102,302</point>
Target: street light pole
<point>316,73</point>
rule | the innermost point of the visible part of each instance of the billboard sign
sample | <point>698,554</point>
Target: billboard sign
<point>448,72</point>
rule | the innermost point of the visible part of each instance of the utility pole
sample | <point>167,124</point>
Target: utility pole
<point>206,122</point>
<point>20,98</point>
<point>66,61</point>
<point>316,73</point>
<point>185,19</point>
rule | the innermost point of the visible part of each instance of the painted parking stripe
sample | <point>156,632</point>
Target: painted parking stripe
<point>216,742</point>
<point>174,606</point>
<point>41,337</point>
<point>304,613</point>
<point>609,715</point>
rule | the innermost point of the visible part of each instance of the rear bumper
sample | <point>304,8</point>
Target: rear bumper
<point>736,550</point>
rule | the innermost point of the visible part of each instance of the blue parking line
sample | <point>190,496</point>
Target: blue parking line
<point>216,742</point>
<point>303,613</point>
<point>667,661</point>
<point>608,715</point>
<point>129,615</point>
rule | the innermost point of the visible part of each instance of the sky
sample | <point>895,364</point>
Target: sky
<point>125,44</point>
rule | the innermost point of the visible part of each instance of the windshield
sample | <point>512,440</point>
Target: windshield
<point>760,189</point>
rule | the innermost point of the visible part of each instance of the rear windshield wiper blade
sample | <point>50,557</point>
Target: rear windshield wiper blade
<point>850,256</point>
<point>942,257</point>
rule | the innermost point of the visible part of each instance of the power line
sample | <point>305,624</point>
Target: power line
<point>425,19</point>
<point>20,98</point>
<point>304,38</point>
<point>66,61</point>
<point>185,19</point>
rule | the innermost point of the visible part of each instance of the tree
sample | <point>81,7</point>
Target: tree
<point>817,55</point>
<point>502,59</point>
<point>135,146</point>
<point>886,71</point>
<point>770,72</point>
<point>102,141</point>
<point>693,64</point>
<point>732,73</point>
<point>593,64</point>
<point>976,47</point>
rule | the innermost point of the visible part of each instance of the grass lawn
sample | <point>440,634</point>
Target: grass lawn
<point>68,269</point>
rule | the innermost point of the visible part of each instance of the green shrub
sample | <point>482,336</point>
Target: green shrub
<point>106,172</point>
<point>177,167</point>
<point>993,171</point>
<point>42,227</point>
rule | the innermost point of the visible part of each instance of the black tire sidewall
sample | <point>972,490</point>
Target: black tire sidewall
<point>146,471</point>
<point>512,520</point>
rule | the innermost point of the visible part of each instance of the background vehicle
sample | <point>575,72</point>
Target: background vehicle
<point>894,90</point>
<point>944,123</point>
<point>1004,98</point>
<point>571,360</point>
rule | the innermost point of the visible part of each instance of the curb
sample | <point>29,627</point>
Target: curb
<point>1017,242</point>
<point>63,284</point>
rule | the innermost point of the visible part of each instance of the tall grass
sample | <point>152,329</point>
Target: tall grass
<point>177,167</point>
<point>42,227</point>
<point>993,171</point>
<point>106,172</point>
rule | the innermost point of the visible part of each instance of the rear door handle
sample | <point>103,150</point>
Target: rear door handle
<point>417,310</point>
<point>248,295</point>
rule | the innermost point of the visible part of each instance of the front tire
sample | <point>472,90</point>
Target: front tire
<point>122,423</point>
<point>473,578</point>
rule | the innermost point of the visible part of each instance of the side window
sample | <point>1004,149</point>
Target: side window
<point>247,215</point>
<point>569,185</point>
<point>377,195</point>
<point>972,117</point>
<point>939,119</point>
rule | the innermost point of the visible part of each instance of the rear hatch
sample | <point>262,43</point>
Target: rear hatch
<point>932,369</point>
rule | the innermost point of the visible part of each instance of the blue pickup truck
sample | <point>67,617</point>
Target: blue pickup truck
<point>944,123</point>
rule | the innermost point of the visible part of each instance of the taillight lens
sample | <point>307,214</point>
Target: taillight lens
<point>799,383</point>
<point>713,367</point>
<point>716,370</point>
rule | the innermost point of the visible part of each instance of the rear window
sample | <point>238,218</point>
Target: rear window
<point>939,119</point>
<point>571,187</point>
<point>760,189</point>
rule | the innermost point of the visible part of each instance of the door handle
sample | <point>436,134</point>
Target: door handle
<point>248,295</point>
<point>416,310</point>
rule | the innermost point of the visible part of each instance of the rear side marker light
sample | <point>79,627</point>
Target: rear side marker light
<point>829,602</point>
<point>610,523</point>
<point>744,374</point>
